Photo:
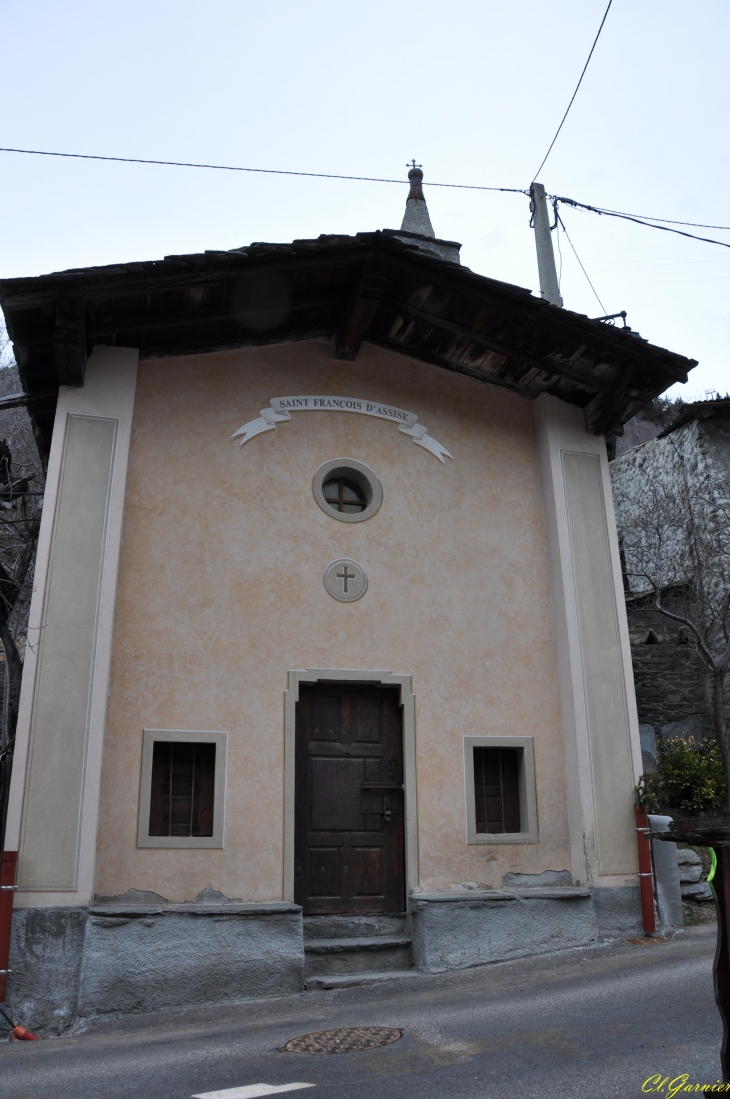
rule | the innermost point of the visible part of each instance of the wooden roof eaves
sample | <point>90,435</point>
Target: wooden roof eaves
<point>262,339</point>
<point>426,355</point>
<point>507,297</point>
<point>544,365</point>
<point>597,334</point>
<point>196,318</point>
<point>637,369</point>
<point>132,284</point>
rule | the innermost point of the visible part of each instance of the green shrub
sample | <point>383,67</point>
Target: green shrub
<point>690,777</point>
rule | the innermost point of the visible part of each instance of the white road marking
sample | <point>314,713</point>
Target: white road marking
<point>251,1091</point>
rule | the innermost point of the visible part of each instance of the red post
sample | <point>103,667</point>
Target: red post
<point>646,875</point>
<point>8,864</point>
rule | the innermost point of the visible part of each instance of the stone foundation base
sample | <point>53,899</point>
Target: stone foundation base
<point>460,930</point>
<point>74,964</point>
<point>69,965</point>
<point>46,949</point>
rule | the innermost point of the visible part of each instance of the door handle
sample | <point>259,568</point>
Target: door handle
<point>386,807</point>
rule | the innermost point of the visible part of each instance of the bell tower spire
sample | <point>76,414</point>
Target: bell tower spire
<point>416,219</point>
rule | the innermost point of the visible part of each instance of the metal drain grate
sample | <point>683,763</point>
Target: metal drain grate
<point>350,1039</point>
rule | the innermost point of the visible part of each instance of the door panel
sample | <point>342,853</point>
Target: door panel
<point>336,787</point>
<point>367,719</point>
<point>325,718</point>
<point>349,840</point>
<point>369,871</point>
<point>325,872</point>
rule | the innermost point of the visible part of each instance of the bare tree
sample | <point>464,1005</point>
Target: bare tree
<point>674,525</point>
<point>21,501</point>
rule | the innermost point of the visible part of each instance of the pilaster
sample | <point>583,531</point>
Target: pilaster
<point>67,659</point>
<point>600,726</point>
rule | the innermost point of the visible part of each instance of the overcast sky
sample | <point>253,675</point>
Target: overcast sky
<point>473,89</point>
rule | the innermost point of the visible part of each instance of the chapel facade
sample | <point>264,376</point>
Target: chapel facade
<point>328,669</point>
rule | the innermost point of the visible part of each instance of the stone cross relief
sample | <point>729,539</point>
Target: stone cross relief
<point>345,580</point>
<point>345,576</point>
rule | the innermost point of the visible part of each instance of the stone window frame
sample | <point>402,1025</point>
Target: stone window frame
<point>189,736</point>
<point>528,792</point>
<point>354,471</point>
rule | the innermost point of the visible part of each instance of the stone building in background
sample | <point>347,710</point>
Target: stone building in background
<point>639,430</point>
<point>688,459</point>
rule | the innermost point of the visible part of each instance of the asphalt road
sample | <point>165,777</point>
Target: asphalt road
<point>592,1023</point>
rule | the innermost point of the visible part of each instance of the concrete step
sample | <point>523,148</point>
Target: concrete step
<point>336,957</point>
<point>353,927</point>
<point>347,980</point>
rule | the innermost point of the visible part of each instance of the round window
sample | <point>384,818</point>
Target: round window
<point>347,490</point>
<point>344,495</point>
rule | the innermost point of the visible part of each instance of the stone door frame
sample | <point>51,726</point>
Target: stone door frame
<point>410,805</point>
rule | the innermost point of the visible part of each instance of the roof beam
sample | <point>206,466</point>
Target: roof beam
<point>69,341</point>
<point>21,400</point>
<point>545,366</point>
<point>466,371</point>
<point>360,312</point>
<point>185,318</point>
<point>604,411</point>
<point>515,302</point>
<point>141,281</point>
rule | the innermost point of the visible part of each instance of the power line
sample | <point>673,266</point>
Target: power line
<point>560,250</point>
<point>667,221</point>
<point>640,220</point>
<point>264,171</point>
<point>559,220</point>
<point>590,55</point>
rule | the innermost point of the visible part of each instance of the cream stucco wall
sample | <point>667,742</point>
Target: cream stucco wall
<point>220,592</point>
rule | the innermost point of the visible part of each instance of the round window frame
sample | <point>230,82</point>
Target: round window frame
<point>362,476</point>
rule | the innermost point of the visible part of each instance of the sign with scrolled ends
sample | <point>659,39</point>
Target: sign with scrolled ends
<point>282,407</point>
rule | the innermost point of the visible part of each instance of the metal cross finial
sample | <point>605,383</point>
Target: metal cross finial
<point>413,164</point>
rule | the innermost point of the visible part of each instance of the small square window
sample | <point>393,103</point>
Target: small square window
<point>501,805</point>
<point>496,789</point>
<point>182,789</point>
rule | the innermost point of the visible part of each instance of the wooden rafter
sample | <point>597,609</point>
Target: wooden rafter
<point>69,341</point>
<point>359,313</point>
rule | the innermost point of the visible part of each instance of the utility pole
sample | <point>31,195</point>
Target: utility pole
<point>549,289</point>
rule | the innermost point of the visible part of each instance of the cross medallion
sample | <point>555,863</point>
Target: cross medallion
<point>345,577</point>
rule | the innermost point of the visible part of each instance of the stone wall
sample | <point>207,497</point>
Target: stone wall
<point>672,682</point>
<point>673,686</point>
<point>461,930</point>
<point>638,430</point>
<point>69,965</point>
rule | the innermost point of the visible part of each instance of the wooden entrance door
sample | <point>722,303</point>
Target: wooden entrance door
<point>349,844</point>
